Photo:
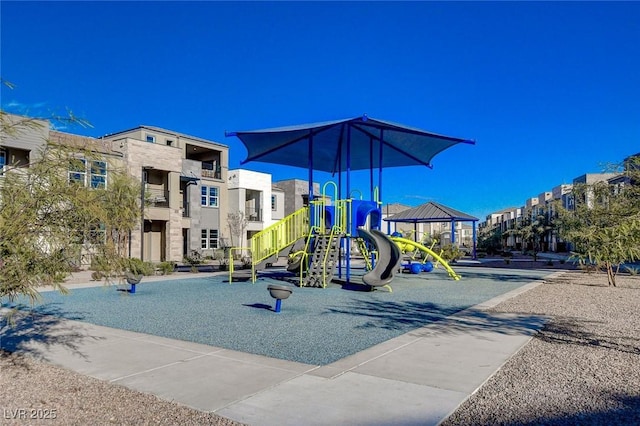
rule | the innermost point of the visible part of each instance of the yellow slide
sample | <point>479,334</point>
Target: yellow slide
<point>406,244</point>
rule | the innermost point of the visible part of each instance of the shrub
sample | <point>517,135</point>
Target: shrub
<point>194,258</point>
<point>166,268</point>
<point>138,267</point>
<point>451,253</point>
<point>631,270</point>
<point>218,255</point>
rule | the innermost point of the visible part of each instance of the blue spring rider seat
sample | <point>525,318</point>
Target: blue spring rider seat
<point>416,268</point>
<point>427,267</point>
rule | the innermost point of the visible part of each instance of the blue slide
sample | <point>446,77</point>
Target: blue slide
<point>389,258</point>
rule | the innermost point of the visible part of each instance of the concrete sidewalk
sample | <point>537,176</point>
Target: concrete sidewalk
<point>418,378</point>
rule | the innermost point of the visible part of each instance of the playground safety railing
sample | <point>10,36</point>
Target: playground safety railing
<point>281,234</point>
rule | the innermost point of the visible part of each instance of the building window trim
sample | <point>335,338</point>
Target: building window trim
<point>98,174</point>
<point>209,196</point>
<point>3,160</point>
<point>78,171</point>
<point>91,174</point>
<point>209,239</point>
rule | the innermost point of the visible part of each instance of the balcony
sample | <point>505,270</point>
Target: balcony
<point>158,197</point>
<point>211,173</point>
<point>253,215</point>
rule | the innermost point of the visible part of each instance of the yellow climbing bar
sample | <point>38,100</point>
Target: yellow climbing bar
<point>231,260</point>
<point>362,248</point>
<point>403,243</point>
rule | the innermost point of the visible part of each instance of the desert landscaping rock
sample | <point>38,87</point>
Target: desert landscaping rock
<point>583,368</point>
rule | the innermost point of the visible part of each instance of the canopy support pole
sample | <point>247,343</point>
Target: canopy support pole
<point>371,169</point>
<point>453,232</point>
<point>350,218</point>
<point>475,257</point>
<point>380,167</point>
<point>389,222</point>
<point>340,198</point>
<point>310,197</point>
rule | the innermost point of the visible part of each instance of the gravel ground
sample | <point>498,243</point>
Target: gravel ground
<point>583,368</point>
<point>33,392</point>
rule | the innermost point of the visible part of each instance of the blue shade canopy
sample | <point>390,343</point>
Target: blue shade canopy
<point>356,142</point>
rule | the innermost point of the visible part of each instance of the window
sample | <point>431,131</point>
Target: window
<point>209,239</point>
<point>97,234</point>
<point>274,204</point>
<point>3,161</point>
<point>150,138</point>
<point>169,142</point>
<point>98,174</point>
<point>213,238</point>
<point>209,196</point>
<point>79,169</point>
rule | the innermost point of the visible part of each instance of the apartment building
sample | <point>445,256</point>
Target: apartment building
<point>441,231</point>
<point>185,178</point>
<point>389,210</point>
<point>24,143</point>
<point>277,203</point>
<point>543,205</point>
<point>297,193</point>
<point>562,193</point>
<point>252,194</point>
<point>510,221</point>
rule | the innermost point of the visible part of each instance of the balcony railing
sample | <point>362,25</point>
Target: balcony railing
<point>158,197</point>
<point>253,215</point>
<point>210,171</point>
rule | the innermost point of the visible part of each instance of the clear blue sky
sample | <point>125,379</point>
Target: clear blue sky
<point>548,91</point>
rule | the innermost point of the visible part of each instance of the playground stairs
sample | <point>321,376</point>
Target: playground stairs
<point>324,260</point>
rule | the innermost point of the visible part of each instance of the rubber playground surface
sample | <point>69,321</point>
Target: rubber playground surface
<point>315,326</point>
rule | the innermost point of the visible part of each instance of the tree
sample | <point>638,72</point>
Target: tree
<point>490,240</point>
<point>604,224</point>
<point>49,218</point>
<point>237,224</point>
<point>534,230</point>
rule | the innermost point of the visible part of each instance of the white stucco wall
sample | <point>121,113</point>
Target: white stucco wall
<point>242,179</point>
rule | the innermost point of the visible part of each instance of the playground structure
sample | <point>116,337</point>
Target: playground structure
<point>320,233</point>
<point>405,245</point>
<point>314,238</point>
